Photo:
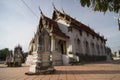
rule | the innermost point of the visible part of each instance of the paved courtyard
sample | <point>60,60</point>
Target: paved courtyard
<point>93,71</point>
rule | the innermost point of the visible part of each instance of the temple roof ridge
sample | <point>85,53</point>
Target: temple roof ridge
<point>75,23</point>
<point>51,25</point>
<point>41,11</point>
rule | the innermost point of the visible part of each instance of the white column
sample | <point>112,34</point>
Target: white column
<point>52,43</point>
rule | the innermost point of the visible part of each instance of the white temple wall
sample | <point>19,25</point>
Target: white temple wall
<point>74,35</point>
<point>64,28</point>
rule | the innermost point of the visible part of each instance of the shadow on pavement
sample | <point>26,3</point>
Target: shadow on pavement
<point>88,72</point>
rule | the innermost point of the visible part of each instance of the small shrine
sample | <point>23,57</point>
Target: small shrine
<point>14,59</point>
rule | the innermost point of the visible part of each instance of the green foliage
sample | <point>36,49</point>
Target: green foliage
<point>25,54</point>
<point>102,5</point>
<point>3,53</point>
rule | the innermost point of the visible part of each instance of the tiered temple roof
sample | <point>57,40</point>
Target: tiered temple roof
<point>74,23</point>
<point>52,26</point>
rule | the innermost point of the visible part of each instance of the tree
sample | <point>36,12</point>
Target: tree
<point>25,54</point>
<point>102,5</point>
<point>119,53</point>
<point>3,53</point>
<point>115,54</point>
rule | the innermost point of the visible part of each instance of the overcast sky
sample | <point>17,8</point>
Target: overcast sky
<point>18,22</point>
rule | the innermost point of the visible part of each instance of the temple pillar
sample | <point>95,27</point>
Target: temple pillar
<point>52,43</point>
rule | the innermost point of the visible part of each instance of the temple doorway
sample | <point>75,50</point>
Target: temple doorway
<point>62,46</point>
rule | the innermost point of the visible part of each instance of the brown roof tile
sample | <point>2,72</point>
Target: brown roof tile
<point>75,24</point>
<point>55,28</point>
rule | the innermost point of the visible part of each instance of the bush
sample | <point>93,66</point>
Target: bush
<point>90,58</point>
<point>3,53</point>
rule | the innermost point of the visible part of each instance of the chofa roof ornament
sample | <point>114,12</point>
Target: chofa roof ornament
<point>41,11</point>
<point>54,7</point>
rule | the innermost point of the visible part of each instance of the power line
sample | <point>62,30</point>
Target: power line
<point>29,8</point>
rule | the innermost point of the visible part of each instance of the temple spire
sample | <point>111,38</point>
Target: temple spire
<point>40,11</point>
<point>54,6</point>
<point>63,11</point>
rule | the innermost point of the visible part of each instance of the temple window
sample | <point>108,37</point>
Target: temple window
<point>78,41</point>
<point>97,38</point>
<point>101,49</point>
<point>93,36</point>
<point>70,29</point>
<point>86,47</point>
<point>80,32</point>
<point>92,45</point>
<point>98,49</point>
<point>78,45</point>
<point>87,33</point>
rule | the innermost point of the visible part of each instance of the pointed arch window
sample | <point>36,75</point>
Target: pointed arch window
<point>102,49</point>
<point>98,48</point>
<point>86,46</point>
<point>87,33</point>
<point>78,45</point>
<point>93,36</point>
<point>80,32</point>
<point>93,47</point>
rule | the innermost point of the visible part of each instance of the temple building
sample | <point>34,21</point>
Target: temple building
<point>65,38</point>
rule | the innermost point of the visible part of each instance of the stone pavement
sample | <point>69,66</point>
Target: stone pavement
<point>93,71</point>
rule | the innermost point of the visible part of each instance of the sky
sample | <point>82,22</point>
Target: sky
<point>18,22</point>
